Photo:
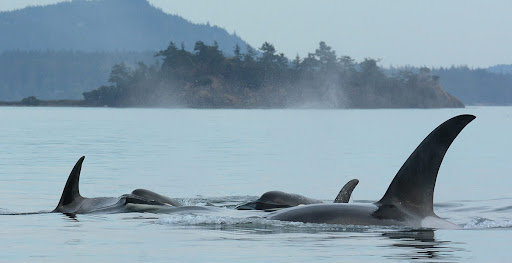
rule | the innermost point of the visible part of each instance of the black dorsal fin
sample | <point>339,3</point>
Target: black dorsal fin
<point>71,192</point>
<point>345,193</point>
<point>413,185</point>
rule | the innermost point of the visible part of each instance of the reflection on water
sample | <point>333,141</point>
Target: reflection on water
<point>503,209</point>
<point>421,245</point>
<point>71,216</point>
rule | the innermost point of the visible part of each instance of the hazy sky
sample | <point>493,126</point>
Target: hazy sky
<point>400,32</point>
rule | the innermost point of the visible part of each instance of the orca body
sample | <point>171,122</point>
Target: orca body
<point>409,198</point>
<point>274,200</point>
<point>71,202</point>
<point>149,195</point>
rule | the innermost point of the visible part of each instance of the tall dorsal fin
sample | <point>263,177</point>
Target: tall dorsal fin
<point>71,192</point>
<point>413,185</point>
<point>345,193</point>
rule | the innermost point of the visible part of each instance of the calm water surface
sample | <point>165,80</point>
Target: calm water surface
<point>224,157</point>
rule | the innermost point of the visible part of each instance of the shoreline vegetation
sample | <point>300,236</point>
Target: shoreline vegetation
<point>205,78</point>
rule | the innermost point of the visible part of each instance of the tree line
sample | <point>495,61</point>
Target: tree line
<point>264,78</point>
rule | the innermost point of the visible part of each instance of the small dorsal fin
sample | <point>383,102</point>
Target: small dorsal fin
<point>71,191</point>
<point>413,185</point>
<point>345,192</point>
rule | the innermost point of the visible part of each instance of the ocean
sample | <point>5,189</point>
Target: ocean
<point>222,158</point>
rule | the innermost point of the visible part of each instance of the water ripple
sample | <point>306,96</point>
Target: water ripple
<point>485,223</point>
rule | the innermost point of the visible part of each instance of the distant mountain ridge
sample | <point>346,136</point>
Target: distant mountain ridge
<point>105,25</point>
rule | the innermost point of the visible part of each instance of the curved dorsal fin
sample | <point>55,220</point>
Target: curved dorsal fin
<point>71,192</point>
<point>345,193</point>
<point>413,185</point>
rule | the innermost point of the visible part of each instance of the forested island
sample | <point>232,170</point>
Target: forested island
<point>263,78</point>
<point>206,78</point>
<point>200,74</point>
<point>121,69</point>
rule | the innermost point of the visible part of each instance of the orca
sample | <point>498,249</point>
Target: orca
<point>71,202</point>
<point>149,195</point>
<point>274,200</point>
<point>408,200</point>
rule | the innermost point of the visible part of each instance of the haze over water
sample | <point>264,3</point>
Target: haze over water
<point>225,157</point>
